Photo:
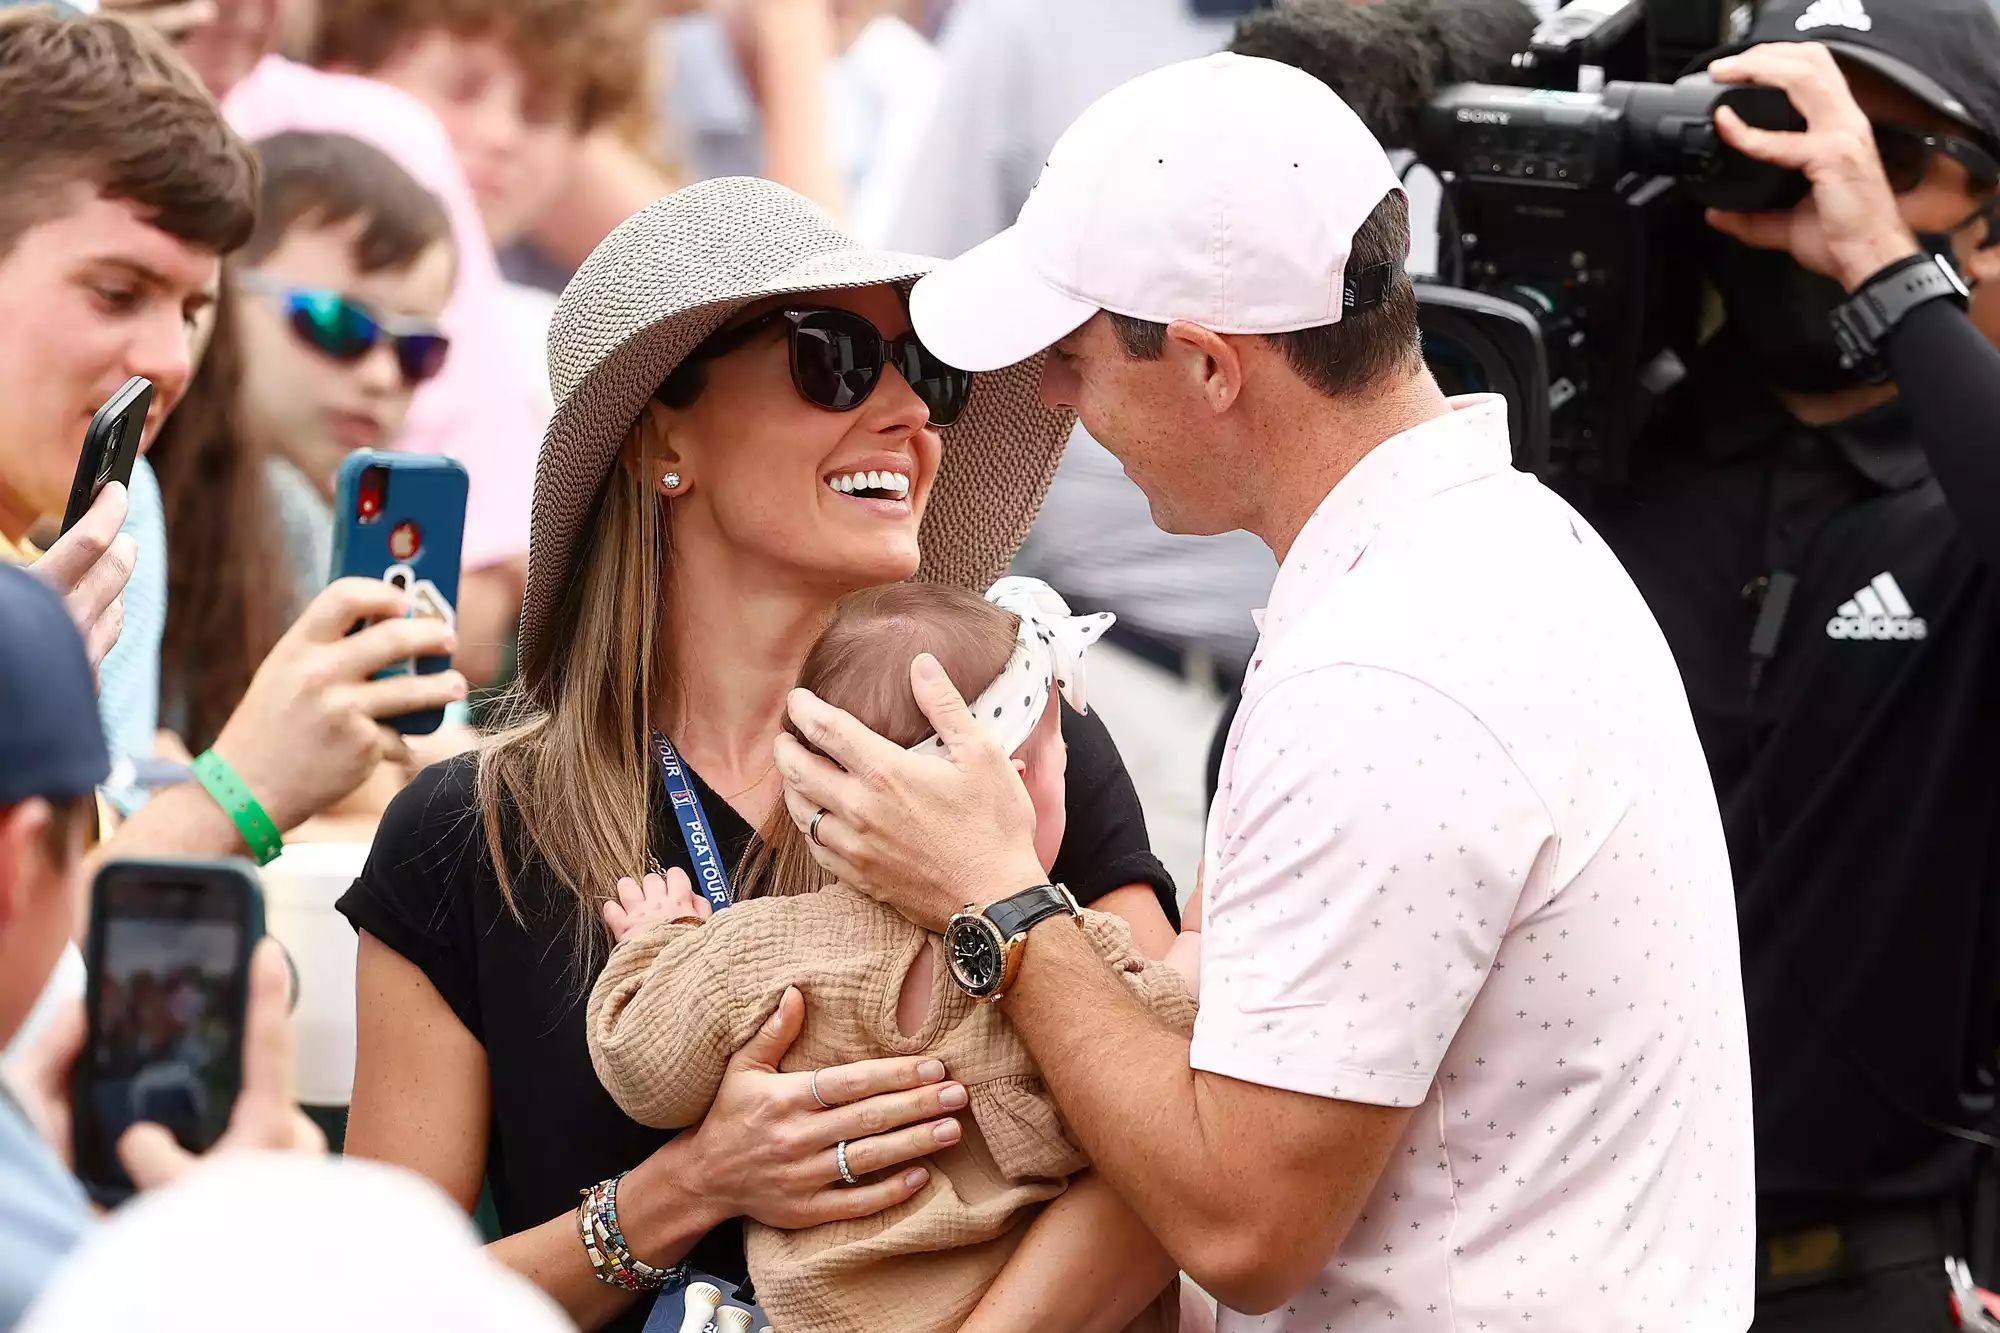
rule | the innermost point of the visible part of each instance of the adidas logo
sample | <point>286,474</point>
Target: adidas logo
<point>1835,14</point>
<point>1878,611</point>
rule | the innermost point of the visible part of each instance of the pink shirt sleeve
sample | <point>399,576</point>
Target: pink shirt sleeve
<point>1368,853</point>
<point>484,409</point>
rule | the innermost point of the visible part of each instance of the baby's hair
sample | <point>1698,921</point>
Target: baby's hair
<point>861,664</point>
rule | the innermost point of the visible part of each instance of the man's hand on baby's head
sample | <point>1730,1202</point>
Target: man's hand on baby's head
<point>642,903</point>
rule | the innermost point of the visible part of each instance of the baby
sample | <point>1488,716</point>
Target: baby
<point>680,993</point>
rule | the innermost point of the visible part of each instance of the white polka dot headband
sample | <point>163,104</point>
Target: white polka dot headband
<point>1048,654</point>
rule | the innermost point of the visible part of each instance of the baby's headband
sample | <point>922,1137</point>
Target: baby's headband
<point>1048,654</point>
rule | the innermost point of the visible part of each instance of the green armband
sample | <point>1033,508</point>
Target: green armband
<point>226,786</point>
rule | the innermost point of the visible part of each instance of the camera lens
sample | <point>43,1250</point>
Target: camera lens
<point>109,461</point>
<point>371,494</point>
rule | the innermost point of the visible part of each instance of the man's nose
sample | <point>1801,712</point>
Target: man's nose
<point>163,353</point>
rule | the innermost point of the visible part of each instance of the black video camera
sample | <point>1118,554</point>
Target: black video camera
<point>1570,232</point>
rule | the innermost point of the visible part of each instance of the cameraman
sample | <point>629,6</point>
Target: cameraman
<point>1783,494</point>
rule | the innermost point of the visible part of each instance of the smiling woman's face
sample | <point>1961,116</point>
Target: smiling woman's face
<point>771,477</point>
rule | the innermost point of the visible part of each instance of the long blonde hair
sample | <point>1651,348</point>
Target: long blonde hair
<point>861,664</point>
<point>572,762</point>
<point>571,766</point>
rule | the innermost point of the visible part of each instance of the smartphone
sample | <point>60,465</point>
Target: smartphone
<point>110,447</point>
<point>401,518</point>
<point>168,955</point>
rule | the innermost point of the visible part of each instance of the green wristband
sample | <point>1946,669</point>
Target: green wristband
<point>227,787</point>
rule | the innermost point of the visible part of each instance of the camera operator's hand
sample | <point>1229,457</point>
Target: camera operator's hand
<point>309,728</point>
<point>1850,228</point>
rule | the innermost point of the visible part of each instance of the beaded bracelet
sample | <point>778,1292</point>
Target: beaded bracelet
<point>610,1257</point>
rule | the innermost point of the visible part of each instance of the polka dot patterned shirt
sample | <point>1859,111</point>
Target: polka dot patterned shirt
<point>1466,858</point>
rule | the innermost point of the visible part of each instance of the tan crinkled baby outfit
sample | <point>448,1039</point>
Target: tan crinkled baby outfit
<point>677,1000</point>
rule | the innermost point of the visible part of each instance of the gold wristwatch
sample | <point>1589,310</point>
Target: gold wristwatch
<point>983,947</point>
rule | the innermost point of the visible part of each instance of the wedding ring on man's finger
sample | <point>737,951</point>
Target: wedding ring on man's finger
<point>824,1104</point>
<point>813,832</point>
<point>840,1160</point>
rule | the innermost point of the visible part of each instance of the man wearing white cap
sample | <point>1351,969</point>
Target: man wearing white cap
<point>1471,1049</point>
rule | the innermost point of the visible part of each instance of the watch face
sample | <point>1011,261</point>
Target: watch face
<point>974,955</point>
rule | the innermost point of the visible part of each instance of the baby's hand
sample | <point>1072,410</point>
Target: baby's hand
<point>1185,958</point>
<point>640,905</point>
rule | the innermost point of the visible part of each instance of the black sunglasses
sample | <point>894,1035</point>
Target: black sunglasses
<point>837,358</point>
<point>346,330</point>
<point>1906,154</point>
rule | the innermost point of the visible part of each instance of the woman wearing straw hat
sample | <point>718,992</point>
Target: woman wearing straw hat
<point>746,430</point>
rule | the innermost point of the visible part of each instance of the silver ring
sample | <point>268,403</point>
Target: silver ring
<point>840,1160</point>
<point>824,1104</point>
<point>813,832</point>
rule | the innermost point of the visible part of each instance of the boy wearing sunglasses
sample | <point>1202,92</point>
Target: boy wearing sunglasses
<point>1814,522</point>
<point>341,289</point>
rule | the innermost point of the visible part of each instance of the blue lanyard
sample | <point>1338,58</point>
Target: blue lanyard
<point>710,876</point>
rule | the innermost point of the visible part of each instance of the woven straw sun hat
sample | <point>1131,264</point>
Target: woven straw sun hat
<point>674,273</point>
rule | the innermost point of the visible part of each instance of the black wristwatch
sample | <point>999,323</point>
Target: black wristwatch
<point>983,948</point>
<point>1863,322</point>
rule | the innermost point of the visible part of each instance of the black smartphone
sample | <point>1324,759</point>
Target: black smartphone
<point>169,963</point>
<point>110,447</point>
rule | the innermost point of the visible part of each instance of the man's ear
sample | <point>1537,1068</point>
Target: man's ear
<point>24,828</point>
<point>1211,360</point>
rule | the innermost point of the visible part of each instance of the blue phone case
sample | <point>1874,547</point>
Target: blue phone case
<point>412,536</point>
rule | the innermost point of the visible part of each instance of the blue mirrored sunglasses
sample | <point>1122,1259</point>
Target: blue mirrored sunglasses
<point>346,330</point>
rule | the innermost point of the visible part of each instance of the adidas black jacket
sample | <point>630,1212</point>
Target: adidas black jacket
<point>1858,769</point>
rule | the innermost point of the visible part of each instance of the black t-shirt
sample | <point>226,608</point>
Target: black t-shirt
<point>1857,778</point>
<point>429,892</point>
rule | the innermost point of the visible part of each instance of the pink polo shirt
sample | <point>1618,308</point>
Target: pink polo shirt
<point>485,409</point>
<point>1466,858</point>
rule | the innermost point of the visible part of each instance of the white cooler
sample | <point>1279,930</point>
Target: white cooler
<point>300,889</point>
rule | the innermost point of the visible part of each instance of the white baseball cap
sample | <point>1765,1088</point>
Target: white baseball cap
<point>1225,191</point>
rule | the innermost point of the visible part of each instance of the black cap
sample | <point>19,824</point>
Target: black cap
<point>1944,53</point>
<point>51,742</point>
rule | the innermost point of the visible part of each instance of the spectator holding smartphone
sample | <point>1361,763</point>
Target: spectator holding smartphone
<point>178,1246</point>
<point>484,408</point>
<point>127,187</point>
<point>108,260</point>
<point>52,757</point>
<point>248,469</point>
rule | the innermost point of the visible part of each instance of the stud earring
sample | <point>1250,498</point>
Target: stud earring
<point>670,482</point>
